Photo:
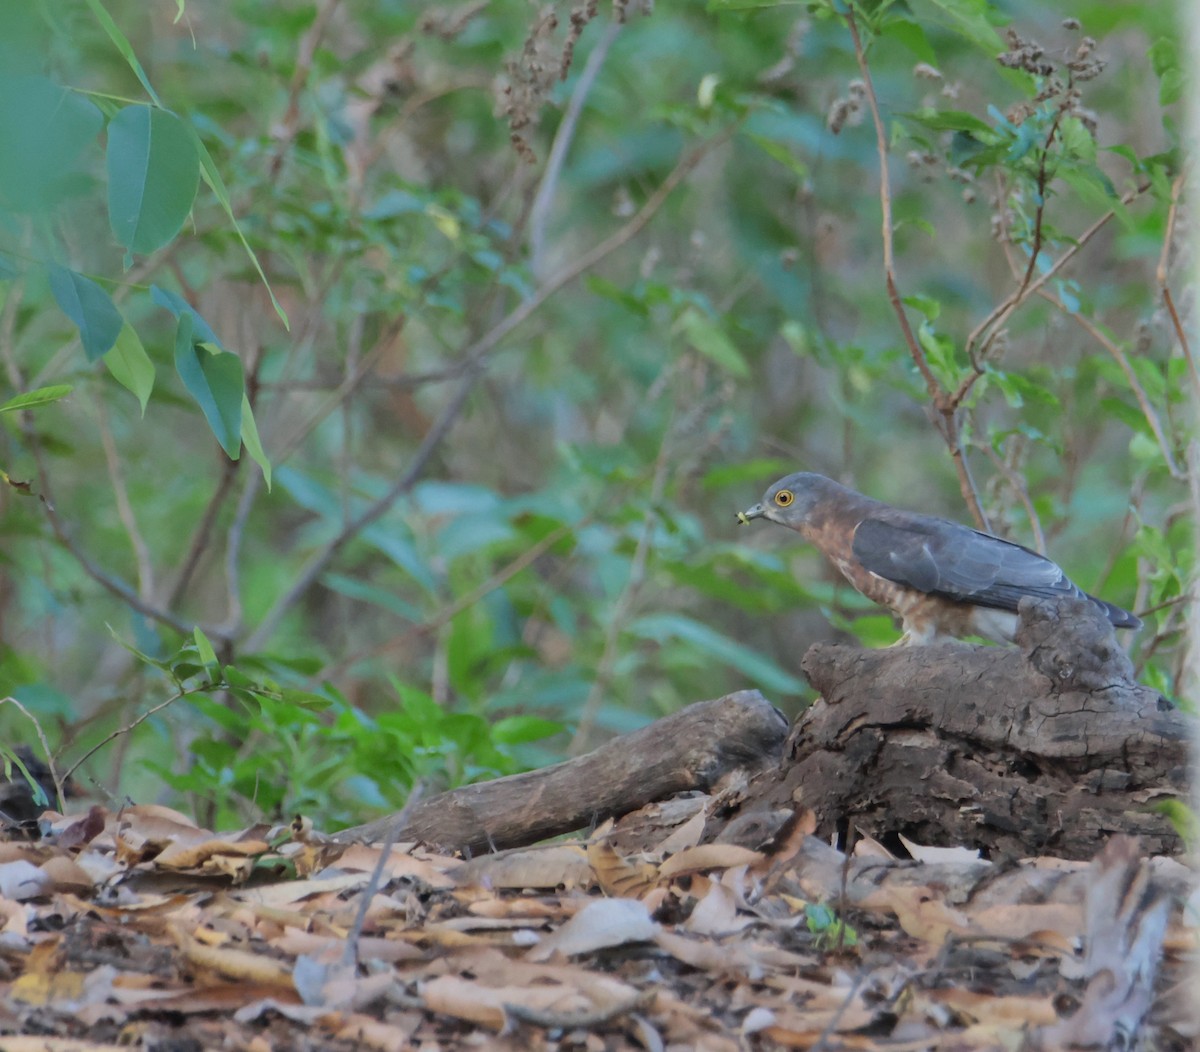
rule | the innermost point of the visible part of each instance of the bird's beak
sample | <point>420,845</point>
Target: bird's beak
<point>757,512</point>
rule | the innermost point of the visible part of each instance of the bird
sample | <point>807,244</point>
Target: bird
<point>940,578</point>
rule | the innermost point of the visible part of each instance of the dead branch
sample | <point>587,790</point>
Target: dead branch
<point>690,749</point>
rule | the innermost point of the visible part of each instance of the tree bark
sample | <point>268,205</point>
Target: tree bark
<point>690,749</point>
<point>1045,747</point>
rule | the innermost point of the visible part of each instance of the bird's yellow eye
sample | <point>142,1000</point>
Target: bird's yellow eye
<point>784,497</point>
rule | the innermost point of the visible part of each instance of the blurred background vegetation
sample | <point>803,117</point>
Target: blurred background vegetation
<point>523,302</point>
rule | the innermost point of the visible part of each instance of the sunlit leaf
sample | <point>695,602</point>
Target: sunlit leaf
<point>130,365</point>
<point>33,399</point>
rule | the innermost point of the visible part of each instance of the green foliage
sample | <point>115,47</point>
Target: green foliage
<point>512,396</point>
<point>831,930</point>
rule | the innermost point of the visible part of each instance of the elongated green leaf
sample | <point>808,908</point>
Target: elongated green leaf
<point>706,336</point>
<point>153,173</point>
<point>202,332</point>
<point>32,399</point>
<point>130,365</point>
<point>208,170</point>
<point>121,42</point>
<point>954,120</point>
<point>663,627</point>
<point>211,176</point>
<point>44,128</point>
<point>967,18</point>
<point>253,443</point>
<point>203,647</point>
<point>215,381</point>
<point>89,307</point>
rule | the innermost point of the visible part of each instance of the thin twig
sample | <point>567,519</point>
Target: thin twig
<point>123,730</point>
<point>590,710</point>
<point>444,616</point>
<point>117,587</point>
<point>473,359</point>
<point>1003,310</point>
<point>1164,288</point>
<point>289,124</point>
<point>1040,213</point>
<point>1118,355</point>
<point>977,356</point>
<point>58,782</point>
<point>141,553</point>
<point>287,445</point>
<point>1018,486</point>
<point>831,1026</point>
<point>947,409</point>
<point>544,198</point>
<point>233,551</point>
<point>202,535</point>
<point>350,953</point>
<point>885,200</point>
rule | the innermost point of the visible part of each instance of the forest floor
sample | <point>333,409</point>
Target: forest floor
<point>139,929</point>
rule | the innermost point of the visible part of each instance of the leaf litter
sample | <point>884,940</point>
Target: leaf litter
<point>138,927</point>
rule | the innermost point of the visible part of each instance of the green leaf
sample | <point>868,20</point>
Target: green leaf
<point>253,443</point>
<point>939,349</point>
<point>214,380</point>
<point>202,332</point>
<point>740,5</point>
<point>89,307</point>
<point>121,42</point>
<point>130,365</point>
<point>153,174</point>
<point>1017,388</point>
<point>143,657</point>
<point>385,598</point>
<point>708,339</point>
<point>32,399</point>
<point>911,35</point>
<point>782,153</point>
<point>953,120</point>
<point>1163,55</point>
<point>212,177</point>
<point>204,648</point>
<point>662,627</point>
<point>927,305</point>
<point>44,128</point>
<point>759,473</point>
<point>304,699</point>
<point>517,730</point>
<point>967,18</point>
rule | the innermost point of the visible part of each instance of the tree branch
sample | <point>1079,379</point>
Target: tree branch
<point>544,198</point>
<point>950,426</point>
<point>1161,275</point>
<point>473,364</point>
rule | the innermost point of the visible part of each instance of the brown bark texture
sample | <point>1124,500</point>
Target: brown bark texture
<point>690,749</point>
<point>1046,747</point>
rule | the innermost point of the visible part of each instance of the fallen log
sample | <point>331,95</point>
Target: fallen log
<point>690,749</point>
<point>1042,748</point>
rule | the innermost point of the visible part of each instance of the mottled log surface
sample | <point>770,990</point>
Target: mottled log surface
<point>1046,747</point>
<point>690,749</point>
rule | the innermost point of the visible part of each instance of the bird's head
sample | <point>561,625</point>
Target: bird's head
<point>791,500</point>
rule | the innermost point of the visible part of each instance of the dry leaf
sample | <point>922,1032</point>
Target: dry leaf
<point>599,925</point>
<point>708,856</point>
<point>564,866</point>
<point>619,876</point>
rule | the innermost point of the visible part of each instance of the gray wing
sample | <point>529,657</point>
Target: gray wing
<point>943,558</point>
